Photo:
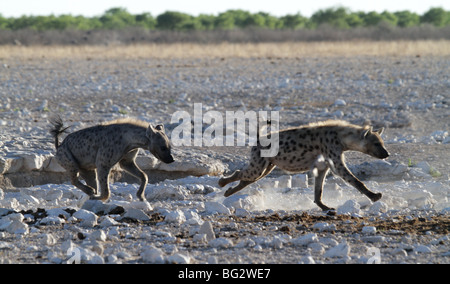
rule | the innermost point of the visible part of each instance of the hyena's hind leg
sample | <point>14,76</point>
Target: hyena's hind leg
<point>318,188</point>
<point>90,177</point>
<point>66,160</point>
<point>91,191</point>
<point>226,180</point>
<point>252,173</point>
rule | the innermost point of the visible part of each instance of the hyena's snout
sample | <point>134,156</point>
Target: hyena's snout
<point>168,159</point>
<point>382,153</point>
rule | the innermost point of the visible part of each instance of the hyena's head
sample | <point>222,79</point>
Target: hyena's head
<point>159,144</point>
<point>372,144</point>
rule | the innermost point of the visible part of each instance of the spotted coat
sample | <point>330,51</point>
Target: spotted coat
<point>302,149</point>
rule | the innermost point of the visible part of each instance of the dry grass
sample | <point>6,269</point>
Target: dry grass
<point>227,50</point>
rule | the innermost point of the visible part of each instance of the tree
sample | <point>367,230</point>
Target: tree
<point>335,17</point>
<point>207,22</point>
<point>389,18</point>
<point>4,23</point>
<point>253,20</point>
<point>372,19</point>
<point>407,19</point>
<point>176,21</point>
<point>293,22</point>
<point>145,20</point>
<point>270,21</point>
<point>436,16</point>
<point>353,20</point>
<point>117,18</point>
<point>224,21</point>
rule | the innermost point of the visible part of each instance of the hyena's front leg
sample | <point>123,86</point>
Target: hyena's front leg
<point>103,181</point>
<point>345,174</point>
<point>131,167</point>
<point>318,188</point>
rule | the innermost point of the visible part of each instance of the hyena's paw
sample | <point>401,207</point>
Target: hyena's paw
<point>229,192</point>
<point>222,182</point>
<point>376,197</point>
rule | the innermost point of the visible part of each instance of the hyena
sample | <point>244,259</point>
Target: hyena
<point>93,151</point>
<point>301,148</point>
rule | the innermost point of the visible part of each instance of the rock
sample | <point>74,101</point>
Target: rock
<point>349,207</point>
<point>88,218</point>
<point>221,243</point>
<point>425,166</point>
<point>52,220</point>
<point>423,249</point>
<point>212,207</point>
<point>440,135</point>
<point>98,235</point>
<point>192,218</point>
<point>57,212</point>
<point>135,214</point>
<point>305,240</point>
<point>207,229</point>
<point>241,212</point>
<point>378,207</point>
<point>192,163</point>
<point>244,201</point>
<point>285,181</point>
<point>369,230</point>
<point>53,194</point>
<point>167,192</point>
<point>17,227</point>
<point>176,217</point>
<point>7,211</point>
<point>179,258</point>
<point>13,224</point>
<point>200,238</point>
<point>47,239</point>
<point>373,239</point>
<point>300,180</point>
<point>106,221</point>
<point>32,162</point>
<point>10,164</point>
<point>341,250</point>
<point>307,260</point>
<point>324,227</point>
<point>153,255</point>
<point>339,102</point>
<point>101,208</point>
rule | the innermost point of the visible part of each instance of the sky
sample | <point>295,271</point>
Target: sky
<point>89,8</point>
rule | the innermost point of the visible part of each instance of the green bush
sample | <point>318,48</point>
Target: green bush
<point>120,18</point>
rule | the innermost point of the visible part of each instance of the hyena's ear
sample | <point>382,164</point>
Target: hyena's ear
<point>150,130</point>
<point>379,131</point>
<point>366,131</point>
<point>159,127</point>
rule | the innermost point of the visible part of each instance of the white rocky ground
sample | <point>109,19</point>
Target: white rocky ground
<point>186,219</point>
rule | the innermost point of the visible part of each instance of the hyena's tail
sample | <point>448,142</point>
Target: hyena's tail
<point>57,128</point>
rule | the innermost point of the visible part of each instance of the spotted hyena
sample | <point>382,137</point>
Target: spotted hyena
<point>317,145</point>
<point>93,151</point>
